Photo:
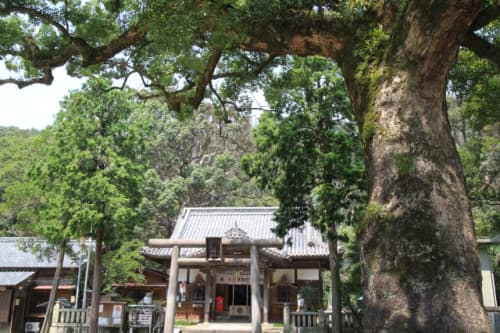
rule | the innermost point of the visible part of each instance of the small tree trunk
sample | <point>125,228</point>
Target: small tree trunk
<point>47,322</point>
<point>96,283</point>
<point>335,293</point>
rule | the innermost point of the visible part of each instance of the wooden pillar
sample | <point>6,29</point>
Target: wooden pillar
<point>213,293</point>
<point>208,295</point>
<point>12,317</point>
<point>172,291</point>
<point>267,284</point>
<point>19,311</point>
<point>254,282</point>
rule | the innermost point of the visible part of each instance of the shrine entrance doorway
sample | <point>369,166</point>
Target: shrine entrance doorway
<point>233,296</point>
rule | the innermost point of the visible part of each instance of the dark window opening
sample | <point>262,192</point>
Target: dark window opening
<point>284,294</point>
<point>198,293</point>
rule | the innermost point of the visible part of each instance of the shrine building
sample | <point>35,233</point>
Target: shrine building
<point>231,266</point>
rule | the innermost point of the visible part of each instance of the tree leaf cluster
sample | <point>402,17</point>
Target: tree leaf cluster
<point>94,168</point>
<point>475,121</point>
<point>308,151</point>
<point>124,265</point>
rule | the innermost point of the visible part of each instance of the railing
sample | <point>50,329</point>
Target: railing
<point>68,320</point>
<point>72,316</point>
<point>315,322</point>
<point>310,319</point>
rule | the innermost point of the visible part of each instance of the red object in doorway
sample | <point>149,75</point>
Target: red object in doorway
<point>219,304</point>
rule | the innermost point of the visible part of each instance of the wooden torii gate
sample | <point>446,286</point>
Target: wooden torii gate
<point>176,244</point>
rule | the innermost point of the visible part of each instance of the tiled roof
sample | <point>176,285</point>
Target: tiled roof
<point>12,279</point>
<point>255,222</point>
<point>16,254</point>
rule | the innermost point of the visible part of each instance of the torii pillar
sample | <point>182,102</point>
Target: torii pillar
<point>172,291</point>
<point>254,284</point>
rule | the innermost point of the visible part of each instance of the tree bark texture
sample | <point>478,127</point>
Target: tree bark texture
<point>96,283</point>
<point>47,322</point>
<point>418,251</point>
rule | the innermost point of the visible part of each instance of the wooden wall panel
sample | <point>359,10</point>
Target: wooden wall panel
<point>5,299</point>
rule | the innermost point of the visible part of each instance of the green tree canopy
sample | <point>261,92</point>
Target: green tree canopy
<point>325,161</point>
<point>95,161</point>
<point>93,171</point>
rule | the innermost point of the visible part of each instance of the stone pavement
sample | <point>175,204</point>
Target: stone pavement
<point>227,328</point>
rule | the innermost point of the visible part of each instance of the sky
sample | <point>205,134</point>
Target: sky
<point>34,106</point>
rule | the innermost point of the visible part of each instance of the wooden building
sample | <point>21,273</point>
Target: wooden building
<point>153,287</point>
<point>217,250</point>
<point>26,280</point>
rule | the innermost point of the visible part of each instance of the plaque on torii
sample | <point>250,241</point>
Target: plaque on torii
<point>213,249</point>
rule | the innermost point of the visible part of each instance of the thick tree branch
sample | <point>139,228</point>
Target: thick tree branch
<point>485,16</point>
<point>299,34</point>
<point>128,38</point>
<point>47,78</point>
<point>90,55</point>
<point>482,48</point>
<point>205,79</point>
<point>177,98</point>
<point>74,47</point>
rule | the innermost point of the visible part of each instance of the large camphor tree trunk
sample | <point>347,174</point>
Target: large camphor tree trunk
<point>418,251</point>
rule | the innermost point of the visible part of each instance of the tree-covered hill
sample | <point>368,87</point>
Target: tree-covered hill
<point>19,149</point>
